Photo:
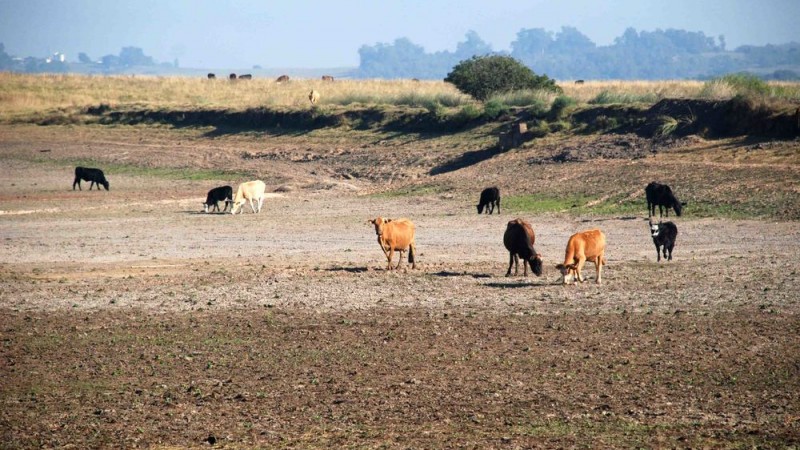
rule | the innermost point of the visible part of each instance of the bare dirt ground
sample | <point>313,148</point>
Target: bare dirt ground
<point>130,318</point>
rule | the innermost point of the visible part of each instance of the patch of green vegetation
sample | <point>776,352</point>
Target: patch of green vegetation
<point>613,98</point>
<point>577,204</point>
<point>411,191</point>
<point>170,173</point>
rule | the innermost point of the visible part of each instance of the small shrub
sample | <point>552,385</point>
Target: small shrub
<point>484,76</point>
<point>560,125</point>
<point>468,113</point>
<point>560,107</point>
<point>604,122</point>
<point>666,125</point>
<point>539,129</point>
<point>614,98</point>
<point>494,109</point>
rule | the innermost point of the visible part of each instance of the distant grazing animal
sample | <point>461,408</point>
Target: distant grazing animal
<point>218,194</point>
<point>327,78</point>
<point>664,235</point>
<point>232,76</point>
<point>661,195</point>
<point>246,76</point>
<point>314,97</point>
<point>251,191</point>
<point>579,81</point>
<point>283,78</point>
<point>211,76</point>
<point>490,197</point>
<point>416,80</point>
<point>95,176</point>
<point>396,234</point>
<point>519,239</point>
<point>584,246</point>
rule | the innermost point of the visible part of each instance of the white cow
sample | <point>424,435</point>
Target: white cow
<point>251,190</point>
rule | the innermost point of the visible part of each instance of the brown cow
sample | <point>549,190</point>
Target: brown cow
<point>395,234</point>
<point>327,78</point>
<point>584,246</point>
<point>283,78</point>
<point>518,239</point>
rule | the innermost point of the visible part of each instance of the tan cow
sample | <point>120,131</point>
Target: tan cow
<point>314,97</point>
<point>584,246</point>
<point>251,190</point>
<point>395,234</point>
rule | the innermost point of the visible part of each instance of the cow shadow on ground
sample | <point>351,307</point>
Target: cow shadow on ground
<point>221,131</point>
<point>445,273</point>
<point>348,269</point>
<point>516,285</point>
<point>467,159</point>
<point>203,213</point>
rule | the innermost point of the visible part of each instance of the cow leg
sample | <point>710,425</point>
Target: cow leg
<point>498,206</point>
<point>670,253</point>
<point>658,253</point>
<point>579,268</point>
<point>598,263</point>
<point>389,257</point>
<point>510,263</point>
<point>260,203</point>
<point>524,267</point>
<point>78,182</point>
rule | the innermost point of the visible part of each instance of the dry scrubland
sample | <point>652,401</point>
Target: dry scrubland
<point>132,319</point>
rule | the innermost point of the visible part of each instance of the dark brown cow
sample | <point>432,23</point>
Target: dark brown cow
<point>246,76</point>
<point>283,78</point>
<point>327,78</point>
<point>211,76</point>
<point>232,76</point>
<point>519,239</point>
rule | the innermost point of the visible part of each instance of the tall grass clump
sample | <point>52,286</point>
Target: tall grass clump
<point>494,108</point>
<point>729,86</point>
<point>613,98</point>
<point>526,97</point>
<point>561,106</point>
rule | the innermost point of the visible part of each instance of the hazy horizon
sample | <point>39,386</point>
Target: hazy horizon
<point>306,34</point>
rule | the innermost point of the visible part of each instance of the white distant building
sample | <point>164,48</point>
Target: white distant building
<point>57,56</point>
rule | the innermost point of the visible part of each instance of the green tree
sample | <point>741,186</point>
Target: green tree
<point>84,58</point>
<point>484,76</point>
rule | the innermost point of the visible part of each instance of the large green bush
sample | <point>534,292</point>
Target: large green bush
<point>484,76</point>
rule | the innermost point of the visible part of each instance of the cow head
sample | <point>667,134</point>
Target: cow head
<point>677,206</point>
<point>105,184</point>
<point>480,208</point>
<point>655,228</point>
<point>379,222</point>
<point>569,272</point>
<point>536,264</point>
<point>236,205</point>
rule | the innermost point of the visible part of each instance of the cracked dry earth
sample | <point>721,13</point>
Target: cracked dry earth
<point>132,319</point>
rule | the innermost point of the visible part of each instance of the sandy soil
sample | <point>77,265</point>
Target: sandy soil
<point>125,312</point>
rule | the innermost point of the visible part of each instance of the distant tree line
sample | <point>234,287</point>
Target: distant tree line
<point>127,58</point>
<point>569,54</point>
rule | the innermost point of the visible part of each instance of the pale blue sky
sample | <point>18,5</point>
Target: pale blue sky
<point>316,34</point>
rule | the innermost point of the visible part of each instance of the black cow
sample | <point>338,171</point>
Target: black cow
<point>519,239</point>
<point>664,235</point>
<point>219,194</point>
<point>95,176</point>
<point>246,76</point>
<point>232,76</point>
<point>211,76</point>
<point>490,197</point>
<point>661,195</point>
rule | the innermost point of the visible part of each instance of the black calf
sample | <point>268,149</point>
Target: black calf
<point>664,235</point>
<point>219,194</point>
<point>490,197</point>
<point>95,176</point>
<point>661,195</point>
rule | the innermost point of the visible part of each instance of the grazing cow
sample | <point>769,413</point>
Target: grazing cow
<point>313,96</point>
<point>218,194</point>
<point>584,246</point>
<point>661,195</point>
<point>490,197</point>
<point>327,78</point>
<point>283,78</point>
<point>232,76</point>
<point>579,81</point>
<point>416,80</point>
<point>252,191</point>
<point>95,176</point>
<point>246,76</point>
<point>519,239</point>
<point>396,234</point>
<point>211,76</point>
<point>664,235</point>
